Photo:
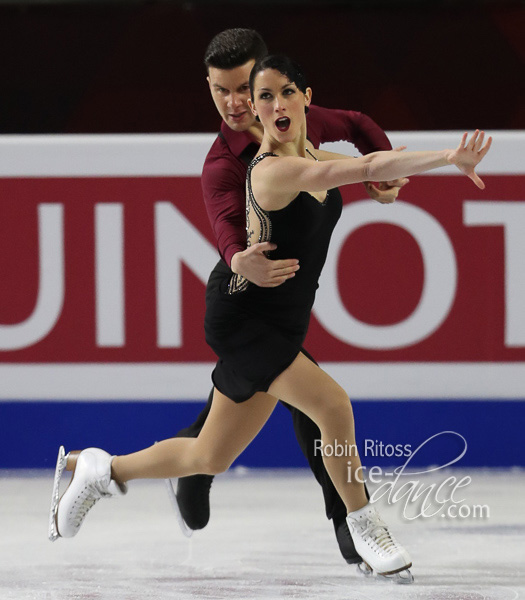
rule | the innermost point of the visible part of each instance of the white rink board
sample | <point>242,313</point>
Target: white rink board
<point>184,154</point>
<point>192,381</point>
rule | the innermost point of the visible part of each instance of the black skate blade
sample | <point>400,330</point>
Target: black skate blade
<point>173,499</point>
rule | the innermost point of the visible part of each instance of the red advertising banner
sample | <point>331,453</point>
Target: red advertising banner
<point>380,271</point>
<point>99,270</point>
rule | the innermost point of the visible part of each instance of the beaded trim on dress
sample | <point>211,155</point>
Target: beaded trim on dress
<point>238,283</point>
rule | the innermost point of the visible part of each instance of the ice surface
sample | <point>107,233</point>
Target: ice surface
<point>268,538</point>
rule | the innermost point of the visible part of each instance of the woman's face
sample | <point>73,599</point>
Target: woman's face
<point>279,104</point>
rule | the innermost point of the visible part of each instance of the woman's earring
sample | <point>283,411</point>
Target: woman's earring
<point>306,110</point>
<point>257,118</point>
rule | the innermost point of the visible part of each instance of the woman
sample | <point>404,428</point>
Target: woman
<point>257,333</point>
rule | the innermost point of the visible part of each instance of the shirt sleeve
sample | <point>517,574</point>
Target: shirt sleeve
<point>223,189</point>
<point>334,125</point>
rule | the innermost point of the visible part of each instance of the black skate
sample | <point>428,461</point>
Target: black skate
<point>344,539</point>
<point>191,503</point>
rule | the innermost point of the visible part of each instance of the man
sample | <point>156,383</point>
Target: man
<point>229,59</point>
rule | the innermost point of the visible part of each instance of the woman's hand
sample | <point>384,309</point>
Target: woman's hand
<point>467,155</point>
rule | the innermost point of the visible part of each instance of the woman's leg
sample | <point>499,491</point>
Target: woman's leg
<point>228,430</point>
<point>307,387</point>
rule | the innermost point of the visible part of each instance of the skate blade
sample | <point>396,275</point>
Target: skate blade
<point>65,462</point>
<point>59,470</point>
<point>402,577</point>
<point>173,499</point>
<point>364,569</point>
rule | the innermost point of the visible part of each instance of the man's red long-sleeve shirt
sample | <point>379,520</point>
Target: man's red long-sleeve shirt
<point>224,172</point>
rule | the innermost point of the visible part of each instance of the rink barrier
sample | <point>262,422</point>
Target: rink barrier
<point>105,249</point>
<point>31,432</point>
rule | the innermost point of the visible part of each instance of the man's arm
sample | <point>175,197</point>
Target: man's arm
<point>333,125</point>
<point>223,187</point>
<point>222,184</point>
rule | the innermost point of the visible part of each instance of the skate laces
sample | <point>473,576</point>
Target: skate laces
<point>87,498</point>
<point>376,530</point>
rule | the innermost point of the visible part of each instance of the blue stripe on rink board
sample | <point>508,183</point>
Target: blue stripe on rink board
<point>30,432</point>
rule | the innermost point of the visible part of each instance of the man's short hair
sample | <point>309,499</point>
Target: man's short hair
<point>234,47</point>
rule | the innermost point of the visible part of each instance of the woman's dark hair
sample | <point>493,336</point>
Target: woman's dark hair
<point>284,65</point>
<point>234,47</point>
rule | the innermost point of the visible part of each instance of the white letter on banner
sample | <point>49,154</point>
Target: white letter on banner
<point>511,216</point>
<point>109,274</point>
<point>176,241</point>
<point>439,286</point>
<point>50,286</point>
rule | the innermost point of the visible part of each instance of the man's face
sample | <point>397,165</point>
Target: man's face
<point>230,91</point>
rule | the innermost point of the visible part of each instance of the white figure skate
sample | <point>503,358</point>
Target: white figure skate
<point>90,481</point>
<point>382,555</point>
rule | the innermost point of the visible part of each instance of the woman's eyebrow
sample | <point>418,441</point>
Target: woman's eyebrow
<point>270,89</point>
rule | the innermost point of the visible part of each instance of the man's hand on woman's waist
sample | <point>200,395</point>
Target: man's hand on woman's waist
<point>253,265</point>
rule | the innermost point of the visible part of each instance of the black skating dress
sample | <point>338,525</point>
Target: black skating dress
<point>258,332</point>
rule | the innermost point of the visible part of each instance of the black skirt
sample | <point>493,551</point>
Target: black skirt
<point>255,335</point>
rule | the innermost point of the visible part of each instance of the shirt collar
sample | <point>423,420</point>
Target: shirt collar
<point>237,141</point>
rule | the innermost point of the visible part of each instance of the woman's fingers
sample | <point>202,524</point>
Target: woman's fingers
<point>479,141</point>
<point>461,145</point>
<point>468,155</point>
<point>477,180</point>
<point>485,148</point>
<point>472,143</point>
<point>476,143</point>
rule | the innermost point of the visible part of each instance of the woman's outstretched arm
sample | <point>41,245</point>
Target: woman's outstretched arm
<point>277,178</point>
